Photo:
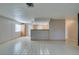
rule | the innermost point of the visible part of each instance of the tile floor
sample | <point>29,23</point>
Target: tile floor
<point>24,46</point>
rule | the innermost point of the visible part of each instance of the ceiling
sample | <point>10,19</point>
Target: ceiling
<point>22,13</point>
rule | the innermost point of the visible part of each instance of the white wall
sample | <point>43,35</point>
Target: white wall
<point>57,29</point>
<point>28,28</point>
<point>7,29</point>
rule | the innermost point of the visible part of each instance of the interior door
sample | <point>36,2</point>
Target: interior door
<point>23,29</point>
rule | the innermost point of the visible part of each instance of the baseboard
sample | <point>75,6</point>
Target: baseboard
<point>39,39</point>
<point>45,40</point>
<point>8,40</point>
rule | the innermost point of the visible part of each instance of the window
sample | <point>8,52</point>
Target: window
<point>17,28</point>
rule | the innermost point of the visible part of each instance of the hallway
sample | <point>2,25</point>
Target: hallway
<point>24,46</point>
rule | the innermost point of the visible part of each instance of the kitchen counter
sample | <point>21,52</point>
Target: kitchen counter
<point>39,34</point>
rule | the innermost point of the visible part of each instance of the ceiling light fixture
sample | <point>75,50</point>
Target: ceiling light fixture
<point>30,4</point>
